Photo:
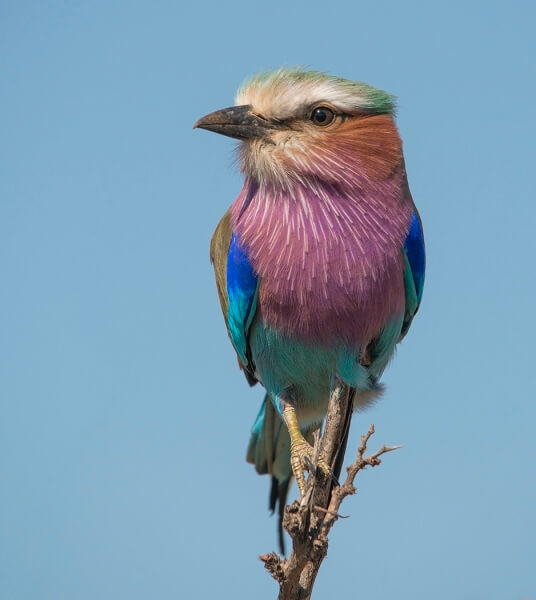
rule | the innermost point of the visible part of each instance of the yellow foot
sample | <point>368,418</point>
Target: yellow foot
<point>301,455</point>
<point>301,452</point>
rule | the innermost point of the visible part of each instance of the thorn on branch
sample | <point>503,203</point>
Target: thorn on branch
<point>382,450</point>
<point>364,441</point>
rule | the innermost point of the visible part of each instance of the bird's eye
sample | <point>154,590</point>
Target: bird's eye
<point>322,116</point>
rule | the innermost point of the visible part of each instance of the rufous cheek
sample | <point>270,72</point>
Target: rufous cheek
<point>375,142</point>
<point>369,146</point>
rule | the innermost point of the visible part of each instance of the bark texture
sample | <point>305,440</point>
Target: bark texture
<point>309,520</point>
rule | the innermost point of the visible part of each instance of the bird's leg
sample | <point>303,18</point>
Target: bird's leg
<point>301,452</point>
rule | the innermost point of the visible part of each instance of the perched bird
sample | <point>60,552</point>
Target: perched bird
<point>320,260</point>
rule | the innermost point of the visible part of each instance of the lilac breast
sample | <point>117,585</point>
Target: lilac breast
<point>330,261</point>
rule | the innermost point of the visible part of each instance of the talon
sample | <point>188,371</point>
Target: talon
<point>301,452</point>
<point>308,463</point>
<point>323,468</point>
<point>300,460</point>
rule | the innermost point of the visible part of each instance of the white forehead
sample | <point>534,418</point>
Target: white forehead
<point>288,92</point>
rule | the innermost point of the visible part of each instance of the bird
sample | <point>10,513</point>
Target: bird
<point>320,260</point>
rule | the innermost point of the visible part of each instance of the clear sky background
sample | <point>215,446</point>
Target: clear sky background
<point>123,417</point>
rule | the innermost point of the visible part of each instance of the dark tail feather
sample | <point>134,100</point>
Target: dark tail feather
<point>269,451</point>
<point>339,459</point>
<point>278,499</point>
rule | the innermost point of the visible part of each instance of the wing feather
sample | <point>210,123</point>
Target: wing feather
<point>415,263</point>
<point>237,290</point>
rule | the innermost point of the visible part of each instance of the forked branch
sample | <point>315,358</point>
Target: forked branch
<point>310,520</point>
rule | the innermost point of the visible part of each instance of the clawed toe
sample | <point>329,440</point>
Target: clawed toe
<point>301,454</point>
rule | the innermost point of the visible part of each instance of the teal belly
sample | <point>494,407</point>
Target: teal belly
<point>303,373</point>
<point>306,373</point>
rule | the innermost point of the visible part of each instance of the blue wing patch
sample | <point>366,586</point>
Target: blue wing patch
<point>242,285</point>
<point>415,262</point>
<point>414,248</point>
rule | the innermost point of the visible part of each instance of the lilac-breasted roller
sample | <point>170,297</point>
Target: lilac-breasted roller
<point>320,260</point>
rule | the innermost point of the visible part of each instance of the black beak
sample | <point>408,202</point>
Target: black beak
<point>236,122</point>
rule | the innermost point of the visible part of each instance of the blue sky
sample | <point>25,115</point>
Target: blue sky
<point>123,418</point>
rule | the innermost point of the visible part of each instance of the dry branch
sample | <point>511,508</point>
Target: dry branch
<point>310,520</point>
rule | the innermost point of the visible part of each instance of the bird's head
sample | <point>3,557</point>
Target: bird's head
<point>299,126</point>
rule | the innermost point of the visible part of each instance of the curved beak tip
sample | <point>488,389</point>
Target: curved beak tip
<point>236,122</point>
